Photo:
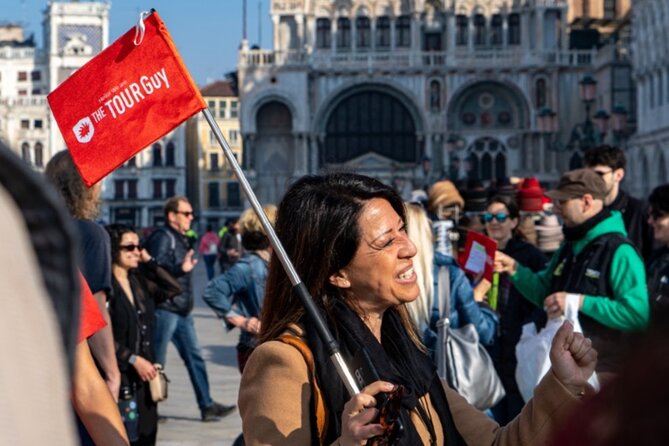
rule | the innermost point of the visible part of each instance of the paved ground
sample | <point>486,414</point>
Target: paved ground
<point>183,425</point>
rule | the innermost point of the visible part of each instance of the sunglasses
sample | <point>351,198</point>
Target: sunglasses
<point>185,213</point>
<point>487,217</point>
<point>389,418</point>
<point>130,248</point>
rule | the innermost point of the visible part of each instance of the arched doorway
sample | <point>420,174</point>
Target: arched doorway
<point>486,160</point>
<point>275,150</point>
<point>370,121</point>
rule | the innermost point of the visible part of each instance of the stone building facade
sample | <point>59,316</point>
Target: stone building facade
<point>408,91</point>
<point>73,32</point>
<point>649,147</point>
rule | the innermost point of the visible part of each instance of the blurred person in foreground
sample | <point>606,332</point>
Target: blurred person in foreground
<point>174,320</point>
<point>596,262</point>
<point>138,284</point>
<point>236,296</point>
<point>658,265</point>
<point>501,219</point>
<point>347,237</point>
<point>83,204</point>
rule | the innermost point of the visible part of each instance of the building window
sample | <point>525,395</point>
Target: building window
<point>132,162</point>
<point>362,32</point>
<point>38,123</point>
<point>23,92</point>
<point>36,91</point>
<point>514,29</point>
<point>343,33</point>
<point>610,9</point>
<point>118,189</point>
<point>170,187</point>
<point>323,33</point>
<point>383,32</point>
<point>233,136</point>
<point>22,76</point>
<point>222,105</point>
<point>234,199</point>
<point>36,75</point>
<point>214,196</point>
<point>132,189</point>
<point>39,154</point>
<point>403,32</point>
<point>25,123</point>
<point>157,150</point>
<point>157,189</point>
<point>212,105</point>
<point>496,30</point>
<point>462,33</point>
<point>233,109</point>
<point>435,96</point>
<point>479,30</point>
<point>169,154</point>
<point>213,162</point>
<point>540,93</point>
<point>25,152</point>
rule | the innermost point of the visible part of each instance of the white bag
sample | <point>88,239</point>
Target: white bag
<point>533,349</point>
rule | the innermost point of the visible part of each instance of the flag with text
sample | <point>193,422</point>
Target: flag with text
<point>124,99</point>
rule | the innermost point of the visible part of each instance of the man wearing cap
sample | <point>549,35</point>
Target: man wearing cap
<point>609,163</point>
<point>596,263</point>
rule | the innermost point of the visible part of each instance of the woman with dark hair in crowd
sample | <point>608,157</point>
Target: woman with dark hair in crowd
<point>138,283</point>
<point>347,237</point>
<point>501,219</point>
<point>658,265</point>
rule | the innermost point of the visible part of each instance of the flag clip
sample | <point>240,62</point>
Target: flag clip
<point>140,28</point>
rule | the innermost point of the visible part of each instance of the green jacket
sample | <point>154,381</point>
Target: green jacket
<point>628,309</point>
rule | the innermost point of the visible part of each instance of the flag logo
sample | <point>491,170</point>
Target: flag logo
<point>84,130</point>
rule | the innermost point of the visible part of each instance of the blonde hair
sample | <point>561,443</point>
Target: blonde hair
<point>419,229</point>
<point>249,221</point>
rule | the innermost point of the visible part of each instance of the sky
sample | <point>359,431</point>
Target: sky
<point>207,33</point>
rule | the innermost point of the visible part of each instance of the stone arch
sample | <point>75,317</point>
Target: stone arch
<point>474,98</point>
<point>273,149</point>
<point>249,114</point>
<point>487,159</point>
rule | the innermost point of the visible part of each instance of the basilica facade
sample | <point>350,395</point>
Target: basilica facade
<point>410,90</point>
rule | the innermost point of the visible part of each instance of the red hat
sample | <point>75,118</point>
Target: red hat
<point>530,195</point>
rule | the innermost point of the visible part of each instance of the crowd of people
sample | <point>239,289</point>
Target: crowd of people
<point>372,263</point>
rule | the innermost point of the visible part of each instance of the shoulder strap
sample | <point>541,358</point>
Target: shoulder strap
<point>319,403</point>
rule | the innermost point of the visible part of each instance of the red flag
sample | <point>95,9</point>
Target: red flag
<point>123,100</point>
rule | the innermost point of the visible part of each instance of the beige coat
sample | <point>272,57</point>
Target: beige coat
<point>275,392</point>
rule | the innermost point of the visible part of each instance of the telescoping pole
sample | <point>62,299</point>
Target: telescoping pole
<point>299,287</point>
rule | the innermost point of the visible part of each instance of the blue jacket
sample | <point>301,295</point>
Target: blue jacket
<point>239,291</point>
<point>464,309</point>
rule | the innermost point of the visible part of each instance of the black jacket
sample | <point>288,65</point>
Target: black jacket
<point>658,281</point>
<point>169,248</point>
<point>635,216</point>
<point>133,324</point>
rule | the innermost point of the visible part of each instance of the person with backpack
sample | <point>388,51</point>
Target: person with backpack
<point>171,249</point>
<point>597,263</point>
<point>236,296</point>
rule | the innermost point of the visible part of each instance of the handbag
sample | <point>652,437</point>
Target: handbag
<point>461,359</point>
<point>158,385</point>
<point>533,349</point>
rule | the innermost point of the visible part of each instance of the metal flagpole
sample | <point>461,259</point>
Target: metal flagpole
<point>299,288</point>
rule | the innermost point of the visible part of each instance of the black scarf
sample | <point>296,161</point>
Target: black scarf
<point>578,232</point>
<point>396,359</point>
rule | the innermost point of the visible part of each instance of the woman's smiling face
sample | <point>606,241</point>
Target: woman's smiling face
<point>381,273</point>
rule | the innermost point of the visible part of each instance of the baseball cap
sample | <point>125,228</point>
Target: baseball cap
<point>576,183</point>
